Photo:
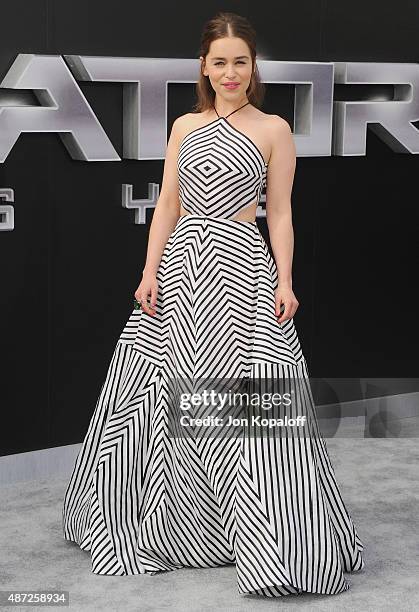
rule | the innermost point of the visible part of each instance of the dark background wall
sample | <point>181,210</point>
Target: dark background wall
<point>75,257</point>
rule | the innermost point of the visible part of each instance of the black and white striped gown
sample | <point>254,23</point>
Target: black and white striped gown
<point>142,501</point>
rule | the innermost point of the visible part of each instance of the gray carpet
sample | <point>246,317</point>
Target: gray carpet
<point>379,482</point>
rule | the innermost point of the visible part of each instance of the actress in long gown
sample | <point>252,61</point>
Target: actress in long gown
<point>142,500</point>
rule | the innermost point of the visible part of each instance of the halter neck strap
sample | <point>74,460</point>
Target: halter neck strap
<point>235,111</point>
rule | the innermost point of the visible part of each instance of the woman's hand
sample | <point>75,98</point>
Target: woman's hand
<point>285,295</point>
<point>148,287</point>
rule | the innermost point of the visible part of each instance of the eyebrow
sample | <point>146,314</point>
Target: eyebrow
<point>238,57</point>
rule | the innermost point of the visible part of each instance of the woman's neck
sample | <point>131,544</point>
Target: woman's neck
<point>222,109</point>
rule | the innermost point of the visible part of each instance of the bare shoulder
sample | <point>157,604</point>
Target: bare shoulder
<point>278,125</point>
<point>271,121</point>
<point>281,139</point>
<point>183,120</point>
<point>277,133</point>
<point>180,123</point>
<point>189,120</point>
<point>184,124</point>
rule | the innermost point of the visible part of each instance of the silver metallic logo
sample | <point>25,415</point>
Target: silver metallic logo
<point>322,126</point>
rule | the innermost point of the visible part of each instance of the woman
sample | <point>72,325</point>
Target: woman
<point>143,499</point>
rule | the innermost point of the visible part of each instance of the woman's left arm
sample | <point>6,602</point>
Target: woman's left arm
<point>280,178</point>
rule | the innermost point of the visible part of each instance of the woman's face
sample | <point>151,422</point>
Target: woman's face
<point>229,62</point>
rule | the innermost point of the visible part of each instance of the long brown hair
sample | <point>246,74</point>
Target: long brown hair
<point>222,25</point>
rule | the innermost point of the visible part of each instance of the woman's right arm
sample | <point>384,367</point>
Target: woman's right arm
<point>165,217</point>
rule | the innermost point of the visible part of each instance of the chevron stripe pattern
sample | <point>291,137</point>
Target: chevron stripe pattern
<point>220,170</point>
<point>143,501</point>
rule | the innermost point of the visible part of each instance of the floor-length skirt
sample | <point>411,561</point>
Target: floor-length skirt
<point>143,500</point>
